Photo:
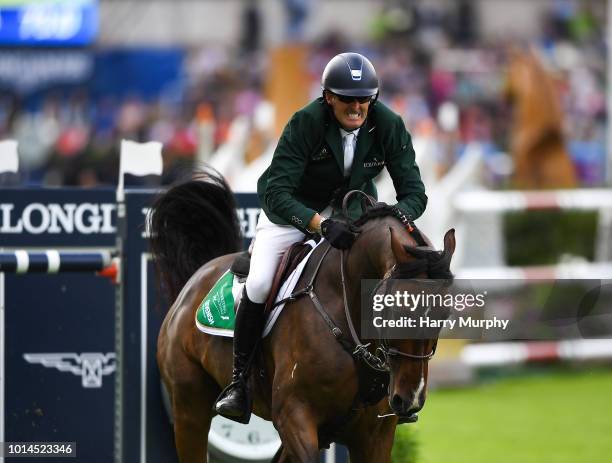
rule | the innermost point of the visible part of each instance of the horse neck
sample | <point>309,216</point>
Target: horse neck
<point>371,257</point>
<point>536,97</point>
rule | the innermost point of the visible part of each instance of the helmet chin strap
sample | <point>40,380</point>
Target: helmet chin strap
<point>374,100</point>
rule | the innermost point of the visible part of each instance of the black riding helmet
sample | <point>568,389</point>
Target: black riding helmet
<point>350,74</point>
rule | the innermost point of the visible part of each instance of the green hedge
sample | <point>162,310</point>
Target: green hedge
<point>541,237</point>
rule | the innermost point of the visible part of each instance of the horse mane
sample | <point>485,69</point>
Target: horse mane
<point>374,213</point>
<point>436,263</point>
<point>193,222</point>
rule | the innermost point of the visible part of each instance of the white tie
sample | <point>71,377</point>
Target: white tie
<point>349,153</point>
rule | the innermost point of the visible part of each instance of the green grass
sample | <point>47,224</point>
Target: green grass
<point>554,418</point>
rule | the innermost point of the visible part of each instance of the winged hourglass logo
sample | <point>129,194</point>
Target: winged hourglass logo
<point>90,366</point>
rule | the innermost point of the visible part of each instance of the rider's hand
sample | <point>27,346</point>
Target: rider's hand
<point>314,226</point>
<point>340,235</point>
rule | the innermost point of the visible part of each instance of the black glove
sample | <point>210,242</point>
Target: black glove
<point>340,235</point>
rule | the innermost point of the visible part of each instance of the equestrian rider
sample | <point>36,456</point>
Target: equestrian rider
<point>338,142</point>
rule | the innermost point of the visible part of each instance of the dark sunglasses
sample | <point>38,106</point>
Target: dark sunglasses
<point>350,99</point>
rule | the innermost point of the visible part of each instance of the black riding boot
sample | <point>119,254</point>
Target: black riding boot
<point>235,402</point>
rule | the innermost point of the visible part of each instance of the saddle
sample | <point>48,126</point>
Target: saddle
<point>290,260</point>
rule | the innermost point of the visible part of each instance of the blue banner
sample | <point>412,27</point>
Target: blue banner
<point>57,217</point>
<point>49,22</point>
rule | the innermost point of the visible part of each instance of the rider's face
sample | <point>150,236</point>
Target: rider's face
<point>351,115</point>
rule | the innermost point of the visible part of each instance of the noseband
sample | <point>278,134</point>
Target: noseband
<point>388,351</point>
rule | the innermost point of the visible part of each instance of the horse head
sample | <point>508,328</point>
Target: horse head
<point>408,358</point>
<point>537,142</point>
<point>393,251</point>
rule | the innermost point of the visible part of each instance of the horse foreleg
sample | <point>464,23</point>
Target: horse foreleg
<point>281,457</point>
<point>373,442</point>
<point>192,404</point>
<point>298,432</point>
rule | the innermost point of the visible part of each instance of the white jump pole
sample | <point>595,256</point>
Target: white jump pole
<point>137,159</point>
<point>9,162</point>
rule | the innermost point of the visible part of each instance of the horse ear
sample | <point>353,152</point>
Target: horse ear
<point>401,256</point>
<point>450,242</point>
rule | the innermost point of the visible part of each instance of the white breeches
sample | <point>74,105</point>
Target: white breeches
<point>271,242</point>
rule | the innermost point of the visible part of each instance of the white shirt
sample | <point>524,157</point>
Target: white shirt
<point>349,155</point>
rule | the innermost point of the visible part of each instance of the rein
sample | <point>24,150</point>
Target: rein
<point>378,361</point>
<point>373,369</point>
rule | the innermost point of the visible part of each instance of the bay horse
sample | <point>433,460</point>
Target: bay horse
<point>538,147</point>
<point>313,386</point>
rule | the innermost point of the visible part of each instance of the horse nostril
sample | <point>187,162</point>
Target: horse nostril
<point>397,403</point>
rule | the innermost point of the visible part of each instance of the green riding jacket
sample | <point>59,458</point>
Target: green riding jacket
<point>307,167</point>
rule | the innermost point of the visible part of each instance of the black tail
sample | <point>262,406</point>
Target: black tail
<point>192,223</point>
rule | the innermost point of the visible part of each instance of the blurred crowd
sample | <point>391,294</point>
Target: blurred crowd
<point>435,70</point>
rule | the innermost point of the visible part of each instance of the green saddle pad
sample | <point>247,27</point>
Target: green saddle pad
<point>216,312</point>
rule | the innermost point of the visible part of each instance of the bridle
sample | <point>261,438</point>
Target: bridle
<point>379,360</point>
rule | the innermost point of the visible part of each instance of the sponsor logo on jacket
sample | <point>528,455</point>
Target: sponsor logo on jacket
<point>374,163</point>
<point>325,153</point>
